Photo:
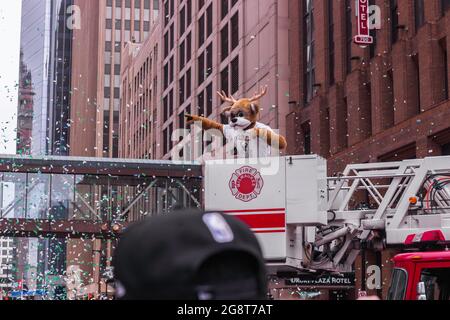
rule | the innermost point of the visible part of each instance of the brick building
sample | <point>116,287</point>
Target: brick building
<point>105,26</point>
<point>386,102</point>
<point>198,48</point>
<point>382,103</point>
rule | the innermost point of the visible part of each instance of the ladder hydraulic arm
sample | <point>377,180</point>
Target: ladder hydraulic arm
<point>380,204</point>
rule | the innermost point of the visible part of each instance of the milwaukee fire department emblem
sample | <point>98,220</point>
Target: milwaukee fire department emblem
<point>246,184</point>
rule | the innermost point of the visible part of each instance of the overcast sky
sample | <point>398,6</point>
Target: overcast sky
<point>9,72</point>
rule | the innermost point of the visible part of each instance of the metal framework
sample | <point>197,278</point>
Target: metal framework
<point>380,204</point>
<point>111,179</point>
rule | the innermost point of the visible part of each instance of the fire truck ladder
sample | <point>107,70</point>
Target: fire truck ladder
<point>380,204</point>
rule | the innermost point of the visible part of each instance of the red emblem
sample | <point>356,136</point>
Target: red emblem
<point>246,184</point>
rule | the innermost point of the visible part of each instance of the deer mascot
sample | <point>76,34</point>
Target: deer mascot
<point>243,131</point>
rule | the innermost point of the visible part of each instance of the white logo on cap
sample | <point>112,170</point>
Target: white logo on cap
<point>218,227</point>
<point>120,289</point>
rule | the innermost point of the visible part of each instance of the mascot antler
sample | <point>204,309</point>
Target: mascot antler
<point>257,96</point>
<point>226,98</point>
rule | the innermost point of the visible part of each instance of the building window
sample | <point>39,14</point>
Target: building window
<point>166,44</point>
<point>127,25</point>
<point>306,138</point>
<point>201,68</point>
<point>235,75</point>
<point>348,34</point>
<point>182,54</point>
<point>188,83</point>
<point>224,80</point>
<point>445,5</point>
<point>209,59</point>
<point>106,132</point>
<point>446,149</point>
<point>188,47</point>
<point>416,70</point>
<point>170,103</point>
<point>118,24</point>
<point>235,31</point>
<point>444,61</point>
<point>182,21</point>
<point>201,104</point>
<point>209,100</point>
<point>209,20</point>
<point>224,41</point>
<point>172,8</point>
<point>172,36</point>
<point>181,93</point>
<point>373,46</point>
<point>224,8</point>
<point>419,13</point>
<point>166,76</point>
<point>189,12</point>
<point>201,31</point>
<point>166,13</point>
<point>171,67</point>
<point>394,21</point>
<point>331,41</point>
<point>165,109</point>
<point>309,76</point>
<point>108,46</point>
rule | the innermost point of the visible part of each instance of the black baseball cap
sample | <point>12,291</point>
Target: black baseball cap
<point>189,255</point>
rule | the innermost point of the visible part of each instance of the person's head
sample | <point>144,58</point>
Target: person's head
<point>189,256</point>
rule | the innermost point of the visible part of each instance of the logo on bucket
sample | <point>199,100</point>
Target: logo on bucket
<point>246,184</point>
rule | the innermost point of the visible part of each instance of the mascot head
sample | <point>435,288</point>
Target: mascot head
<point>243,113</point>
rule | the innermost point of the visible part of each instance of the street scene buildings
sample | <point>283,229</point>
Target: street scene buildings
<point>114,79</point>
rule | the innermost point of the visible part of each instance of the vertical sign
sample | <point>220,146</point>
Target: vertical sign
<point>362,12</point>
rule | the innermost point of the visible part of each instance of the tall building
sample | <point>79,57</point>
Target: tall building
<point>386,102</point>
<point>46,52</point>
<point>106,25</point>
<point>198,48</point>
<point>43,119</point>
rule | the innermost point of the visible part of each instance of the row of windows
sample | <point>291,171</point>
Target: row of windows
<point>116,69</point>
<point>127,3</point>
<point>229,82</point>
<point>308,18</point>
<point>127,24</point>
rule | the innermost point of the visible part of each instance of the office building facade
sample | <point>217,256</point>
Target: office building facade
<point>197,49</point>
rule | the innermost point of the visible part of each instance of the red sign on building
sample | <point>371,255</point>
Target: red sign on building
<point>362,11</point>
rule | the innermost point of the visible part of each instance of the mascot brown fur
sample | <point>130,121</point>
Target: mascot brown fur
<point>243,115</point>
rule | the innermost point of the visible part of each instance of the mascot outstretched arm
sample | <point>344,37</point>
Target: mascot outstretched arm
<point>242,116</point>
